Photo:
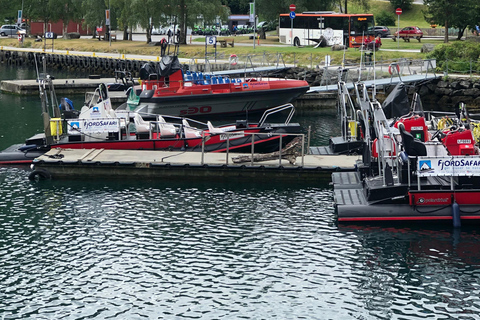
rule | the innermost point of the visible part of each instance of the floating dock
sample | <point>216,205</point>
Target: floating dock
<point>102,163</point>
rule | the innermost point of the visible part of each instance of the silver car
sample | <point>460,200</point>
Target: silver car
<point>9,30</point>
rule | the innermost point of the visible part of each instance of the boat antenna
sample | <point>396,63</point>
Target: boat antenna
<point>44,100</point>
<point>374,98</point>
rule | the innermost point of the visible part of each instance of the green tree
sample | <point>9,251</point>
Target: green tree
<point>69,10</point>
<point>404,4</point>
<point>9,10</point>
<point>45,10</point>
<point>94,13</point>
<point>458,14</point>
<point>267,11</point>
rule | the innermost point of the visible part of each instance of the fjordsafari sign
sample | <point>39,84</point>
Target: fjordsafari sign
<point>98,125</point>
<point>448,166</point>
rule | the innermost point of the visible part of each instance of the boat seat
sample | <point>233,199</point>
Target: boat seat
<point>167,130</point>
<point>214,80</point>
<point>220,80</point>
<point>200,78</point>
<point>227,80</point>
<point>412,146</point>
<point>212,129</point>
<point>112,114</point>
<point>207,79</point>
<point>190,132</point>
<point>141,125</point>
<point>83,112</point>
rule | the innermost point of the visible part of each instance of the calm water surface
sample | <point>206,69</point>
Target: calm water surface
<point>82,249</point>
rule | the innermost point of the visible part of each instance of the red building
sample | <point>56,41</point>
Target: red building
<point>37,28</point>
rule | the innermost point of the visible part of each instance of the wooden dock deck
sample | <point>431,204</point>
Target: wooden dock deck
<point>101,163</point>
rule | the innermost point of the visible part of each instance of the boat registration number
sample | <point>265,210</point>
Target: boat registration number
<point>464,141</point>
<point>196,110</point>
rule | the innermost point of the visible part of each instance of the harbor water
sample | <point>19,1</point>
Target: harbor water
<point>126,249</point>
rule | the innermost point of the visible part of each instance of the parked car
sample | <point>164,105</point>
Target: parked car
<point>381,31</point>
<point>409,32</point>
<point>9,30</point>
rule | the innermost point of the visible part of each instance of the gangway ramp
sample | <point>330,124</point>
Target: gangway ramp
<point>375,74</point>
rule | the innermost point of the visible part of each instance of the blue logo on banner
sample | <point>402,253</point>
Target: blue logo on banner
<point>425,165</point>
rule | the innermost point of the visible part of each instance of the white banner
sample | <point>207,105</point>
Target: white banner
<point>448,166</point>
<point>231,136</point>
<point>79,126</point>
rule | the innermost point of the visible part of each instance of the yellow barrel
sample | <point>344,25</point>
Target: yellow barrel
<point>352,125</point>
<point>56,126</point>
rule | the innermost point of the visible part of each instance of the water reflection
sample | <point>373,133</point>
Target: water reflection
<point>412,271</point>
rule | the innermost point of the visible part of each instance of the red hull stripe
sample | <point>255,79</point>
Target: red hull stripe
<point>405,218</point>
<point>16,162</point>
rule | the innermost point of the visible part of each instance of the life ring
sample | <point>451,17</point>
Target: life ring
<point>233,59</point>
<point>396,67</point>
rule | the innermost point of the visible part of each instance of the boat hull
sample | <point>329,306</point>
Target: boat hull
<point>208,104</point>
<point>13,155</point>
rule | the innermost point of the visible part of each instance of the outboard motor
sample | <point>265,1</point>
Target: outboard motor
<point>67,109</point>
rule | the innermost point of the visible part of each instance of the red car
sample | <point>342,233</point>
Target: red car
<point>409,32</point>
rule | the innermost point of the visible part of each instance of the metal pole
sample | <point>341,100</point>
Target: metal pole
<point>254,24</point>
<point>109,25</point>
<point>291,32</point>
<point>253,143</point>
<point>228,145</point>
<point>203,146</point>
<point>398,32</point>
<point>303,150</point>
<point>280,151</point>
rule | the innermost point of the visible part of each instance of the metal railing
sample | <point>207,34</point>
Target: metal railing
<point>252,144</point>
<point>382,69</point>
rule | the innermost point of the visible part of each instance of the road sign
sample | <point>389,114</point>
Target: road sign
<point>398,11</point>
<point>292,15</point>
<point>211,40</point>
<point>292,7</point>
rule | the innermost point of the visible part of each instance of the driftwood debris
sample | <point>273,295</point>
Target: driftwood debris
<point>289,153</point>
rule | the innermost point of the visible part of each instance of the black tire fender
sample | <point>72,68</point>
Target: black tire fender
<point>39,175</point>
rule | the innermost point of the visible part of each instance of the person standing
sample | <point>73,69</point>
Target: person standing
<point>169,34</point>
<point>378,42</point>
<point>163,46</point>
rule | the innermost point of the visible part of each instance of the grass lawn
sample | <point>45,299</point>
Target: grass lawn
<point>304,56</point>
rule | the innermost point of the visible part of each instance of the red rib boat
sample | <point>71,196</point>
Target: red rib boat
<point>168,90</point>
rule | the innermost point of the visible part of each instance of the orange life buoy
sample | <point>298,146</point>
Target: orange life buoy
<point>233,59</point>
<point>396,67</point>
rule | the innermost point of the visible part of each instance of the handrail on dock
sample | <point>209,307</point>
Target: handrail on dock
<point>280,155</point>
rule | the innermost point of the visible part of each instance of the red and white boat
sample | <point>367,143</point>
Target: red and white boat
<point>98,126</point>
<point>168,90</point>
